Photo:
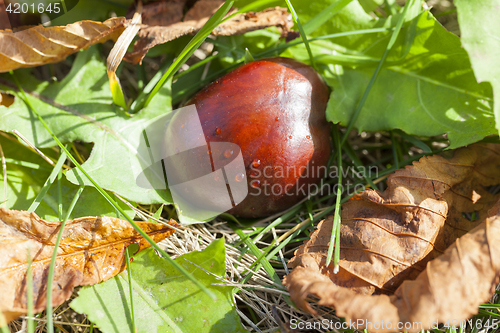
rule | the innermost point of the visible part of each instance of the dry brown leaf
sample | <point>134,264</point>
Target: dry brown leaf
<point>4,16</point>
<point>6,99</point>
<point>162,23</point>
<point>40,45</point>
<point>161,12</point>
<point>389,237</point>
<point>92,250</point>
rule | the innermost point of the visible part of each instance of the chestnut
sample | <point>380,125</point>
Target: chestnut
<point>273,112</point>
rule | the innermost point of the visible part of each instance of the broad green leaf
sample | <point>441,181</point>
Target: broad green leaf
<point>480,35</point>
<point>164,300</point>
<point>427,88</point>
<point>26,174</point>
<point>80,107</point>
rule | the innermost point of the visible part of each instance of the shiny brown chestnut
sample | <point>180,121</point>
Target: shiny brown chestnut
<point>274,110</point>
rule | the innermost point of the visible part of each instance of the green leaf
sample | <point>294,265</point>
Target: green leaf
<point>26,174</point>
<point>248,57</point>
<point>348,18</point>
<point>325,15</point>
<point>427,88</point>
<point>80,107</point>
<point>164,300</point>
<point>480,35</point>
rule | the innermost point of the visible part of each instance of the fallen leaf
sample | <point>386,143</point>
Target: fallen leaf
<point>40,45</point>
<point>390,238</point>
<point>162,21</point>
<point>92,250</point>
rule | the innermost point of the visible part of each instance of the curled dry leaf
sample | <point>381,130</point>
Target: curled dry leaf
<point>408,254</point>
<point>40,45</point>
<point>163,23</point>
<point>92,250</point>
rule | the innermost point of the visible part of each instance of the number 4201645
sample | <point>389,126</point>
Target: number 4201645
<point>39,8</point>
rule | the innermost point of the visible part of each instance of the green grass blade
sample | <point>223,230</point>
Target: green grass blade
<point>140,100</point>
<point>309,207</point>
<point>129,274</point>
<point>48,183</point>
<point>29,298</point>
<point>325,15</point>
<point>278,221</point>
<point>111,201</point>
<point>394,151</point>
<point>357,162</point>
<point>4,328</point>
<point>351,33</point>
<point>390,8</point>
<point>489,313</point>
<point>258,253</point>
<point>336,216</point>
<point>336,255</point>
<point>254,5</point>
<point>50,278</point>
<point>248,56</point>
<point>361,103</point>
<point>193,44</point>
<point>302,32</point>
<point>269,254</point>
<point>413,140</point>
<point>25,164</point>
